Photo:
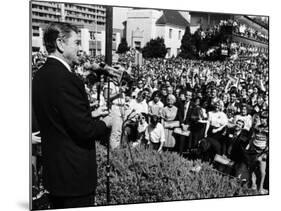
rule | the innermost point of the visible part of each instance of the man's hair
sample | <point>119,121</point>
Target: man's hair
<point>55,30</point>
<point>240,120</point>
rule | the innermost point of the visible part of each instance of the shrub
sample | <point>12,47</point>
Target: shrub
<point>162,177</point>
<point>155,48</point>
<point>123,46</point>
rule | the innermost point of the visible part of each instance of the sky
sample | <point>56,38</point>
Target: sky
<point>119,15</point>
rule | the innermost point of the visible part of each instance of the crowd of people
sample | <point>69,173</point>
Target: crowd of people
<point>249,32</point>
<point>241,50</point>
<point>177,104</point>
<point>234,26</point>
<point>216,111</point>
<point>187,106</point>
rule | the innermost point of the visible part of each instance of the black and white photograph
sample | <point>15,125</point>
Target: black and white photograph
<point>136,105</point>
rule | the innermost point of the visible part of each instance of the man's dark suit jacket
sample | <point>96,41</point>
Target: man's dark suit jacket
<point>187,119</point>
<point>67,129</point>
<point>239,144</point>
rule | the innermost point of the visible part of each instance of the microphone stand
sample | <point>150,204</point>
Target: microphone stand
<point>108,61</point>
<point>108,150</point>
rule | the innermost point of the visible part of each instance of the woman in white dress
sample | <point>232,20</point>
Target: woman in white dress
<point>216,124</point>
<point>169,114</point>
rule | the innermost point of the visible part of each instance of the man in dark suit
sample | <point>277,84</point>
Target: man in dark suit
<point>238,140</point>
<point>184,115</point>
<point>67,127</point>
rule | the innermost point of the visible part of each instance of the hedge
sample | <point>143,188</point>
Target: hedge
<point>162,176</point>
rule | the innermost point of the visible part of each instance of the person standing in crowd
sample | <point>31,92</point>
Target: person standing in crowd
<point>213,99</point>
<point>198,124</point>
<point>169,115</point>
<point>155,106</point>
<point>185,112</point>
<point>67,127</point>
<point>258,153</point>
<point>36,152</point>
<point>139,87</point>
<point>233,107</point>
<point>238,140</point>
<point>164,94</point>
<point>216,124</point>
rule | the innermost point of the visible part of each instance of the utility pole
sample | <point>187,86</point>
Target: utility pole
<point>108,34</point>
<point>108,61</point>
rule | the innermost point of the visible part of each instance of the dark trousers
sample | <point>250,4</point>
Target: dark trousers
<point>209,147</point>
<point>196,133</point>
<point>129,134</point>
<point>59,202</point>
<point>154,146</point>
<point>183,143</point>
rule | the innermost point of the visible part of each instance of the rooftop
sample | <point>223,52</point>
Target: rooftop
<point>171,17</point>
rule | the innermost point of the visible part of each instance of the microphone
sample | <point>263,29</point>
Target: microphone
<point>106,70</point>
<point>93,67</point>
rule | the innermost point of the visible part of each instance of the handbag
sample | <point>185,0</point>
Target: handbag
<point>171,124</point>
<point>179,131</point>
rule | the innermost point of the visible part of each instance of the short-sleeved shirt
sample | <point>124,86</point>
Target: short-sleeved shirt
<point>155,108</point>
<point>217,119</point>
<point>155,135</point>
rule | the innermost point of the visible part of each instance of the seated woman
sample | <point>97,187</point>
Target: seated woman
<point>217,121</point>
<point>169,114</point>
<point>245,117</point>
<point>130,127</point>
<point>142,123</point>
<point>154,134</point>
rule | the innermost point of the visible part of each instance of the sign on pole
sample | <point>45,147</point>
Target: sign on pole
<point>138,58</point>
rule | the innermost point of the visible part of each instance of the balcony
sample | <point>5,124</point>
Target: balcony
<point>46,4</point>
<point>45,11</point>
<point>249,41</point>
<point>254,39</point>
<point>44,18</point>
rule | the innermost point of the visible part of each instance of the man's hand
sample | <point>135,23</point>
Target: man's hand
<point>100,112</point>
<point>214,130</point>
<point>108,120</point>
<point>184,127</point>
<point>36,139</point>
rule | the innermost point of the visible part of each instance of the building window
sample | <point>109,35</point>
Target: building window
<point>92,35</point>
<point>170,33</point>
<point>137,45</point>
<point>169,52</point>
<point>179,35</point>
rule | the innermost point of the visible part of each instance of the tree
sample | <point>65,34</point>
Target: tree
<point>155,48</point>
<point>188,47</point>
<point>123,46</point>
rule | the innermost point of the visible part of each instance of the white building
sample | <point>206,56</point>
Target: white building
<point>146,24</point>
<point>92,39</point>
